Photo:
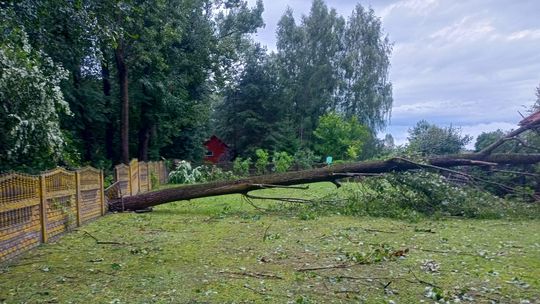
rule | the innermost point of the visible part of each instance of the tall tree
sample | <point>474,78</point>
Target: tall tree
<point>329,64</point>
<point>430,139</point>
<point>31,101</point>
<point>364,89</point>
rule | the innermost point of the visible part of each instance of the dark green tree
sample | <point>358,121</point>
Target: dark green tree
<point>430,139</point>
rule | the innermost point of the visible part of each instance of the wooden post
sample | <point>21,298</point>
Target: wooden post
<point>43,208</point>
<point>149,174</point>
<point>129,179</point>
<point>102,192</point>
<point>138,177</point>
<point>148,178</point>
<point>78,196</point>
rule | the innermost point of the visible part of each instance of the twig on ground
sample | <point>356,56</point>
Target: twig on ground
<point>422,281</point>
<point>103,242</point>
<point>255,290</point>
<point>249,201</point>
<point>257,275</point>
<point>338,266</point>
<point>265,235</point>
<point>445,251</point>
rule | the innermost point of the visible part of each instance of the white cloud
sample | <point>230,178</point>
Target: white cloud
<point>418,7</point>
<point>525,34</point>
<point>467,63</point>
<point>466,29</point>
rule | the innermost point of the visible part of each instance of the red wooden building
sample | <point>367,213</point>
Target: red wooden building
<point>217,150</point>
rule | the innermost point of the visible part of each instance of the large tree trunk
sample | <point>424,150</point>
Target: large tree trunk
<point>109,129</point>
<point>331,174</point>
<point>146,121</point>
<point>144,141</point>
<point>123,82</point>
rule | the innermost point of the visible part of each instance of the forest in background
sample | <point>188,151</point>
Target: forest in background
<point>100,82</point>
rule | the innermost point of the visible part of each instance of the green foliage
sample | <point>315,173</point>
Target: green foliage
<point>340,138</point>
<point>282,161</point>
<point>305,158</point>
<point>430,139</point>
<point>32,101</point>
<point>414,195</point>
<point>261,163</point>
<point>183,173</point>
<point>241,166</point>
<point>323,64</point>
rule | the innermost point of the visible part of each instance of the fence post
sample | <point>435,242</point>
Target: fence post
<point>101,192</point>
<point>78,196</point>
<point>148,178</point>
<point>43,208</point>
<point>138,177</point>
<point>129,179</point>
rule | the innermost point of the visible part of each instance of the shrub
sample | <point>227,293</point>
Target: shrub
<point>262,161</point>
<point>185,174</point>
<point>241,166</point>
<point>282,161</point>
<point>305,158</point>
<point>182,174</point>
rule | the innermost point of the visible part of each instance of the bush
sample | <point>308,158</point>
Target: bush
<point>262,161</point>
<point>282,161</point>
<point>241,166</point>
<point>185,174</point>
<point>305,158</point>
<point>182,174</point>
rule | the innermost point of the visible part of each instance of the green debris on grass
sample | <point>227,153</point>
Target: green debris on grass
<point>223,250</point>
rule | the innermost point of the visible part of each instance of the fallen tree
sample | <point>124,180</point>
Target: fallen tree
<point>332,173</point>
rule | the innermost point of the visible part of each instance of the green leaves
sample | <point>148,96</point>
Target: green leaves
<point>429,139</point>
<point>340,138</point>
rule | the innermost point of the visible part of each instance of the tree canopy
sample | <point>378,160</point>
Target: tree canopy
<point>430,139</point>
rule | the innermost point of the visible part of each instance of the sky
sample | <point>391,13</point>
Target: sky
<point>472,64</point>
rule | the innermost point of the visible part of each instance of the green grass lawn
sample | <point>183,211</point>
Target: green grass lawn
<point>223,250</point>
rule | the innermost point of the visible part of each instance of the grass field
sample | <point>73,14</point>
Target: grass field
<point>223,250</point>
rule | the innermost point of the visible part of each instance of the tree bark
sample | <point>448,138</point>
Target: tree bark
<point>144,142</point>
<point>331,174</point>
<point>146,121</point>
<point>124,97</point>
<point>109,129</point>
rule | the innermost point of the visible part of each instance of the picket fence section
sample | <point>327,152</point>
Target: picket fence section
<point>38,209</point>
<point>140,177</point>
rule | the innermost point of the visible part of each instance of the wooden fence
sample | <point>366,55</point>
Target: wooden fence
<point>140,177</point>
<point>36,209</point>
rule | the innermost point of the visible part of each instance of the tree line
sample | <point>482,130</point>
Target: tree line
<point>100,82</point>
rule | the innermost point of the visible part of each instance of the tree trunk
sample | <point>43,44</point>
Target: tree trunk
<point>144,141</point>
<point>124,97</point>
<point>331,174</point>
<point>109,129</point>
<point>146,120</point>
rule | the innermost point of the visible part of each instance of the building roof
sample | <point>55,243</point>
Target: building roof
<point>532,119</point>
<point>217,139</point>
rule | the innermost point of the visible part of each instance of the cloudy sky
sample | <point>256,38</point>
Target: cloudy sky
<point>469,63</point>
